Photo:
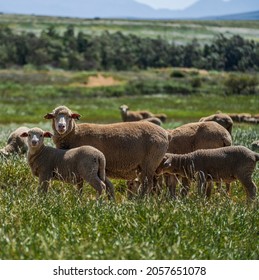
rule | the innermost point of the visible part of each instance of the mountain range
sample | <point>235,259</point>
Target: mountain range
<point>126,8</point>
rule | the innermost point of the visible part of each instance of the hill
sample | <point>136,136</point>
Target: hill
<point>125,8</point>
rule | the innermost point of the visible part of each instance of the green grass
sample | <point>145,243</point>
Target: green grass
<point>62,226</point>
<point>178,31</point>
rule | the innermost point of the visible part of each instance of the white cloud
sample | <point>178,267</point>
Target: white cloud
<point>168,4</point>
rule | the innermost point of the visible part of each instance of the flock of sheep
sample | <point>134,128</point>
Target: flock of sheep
<point>137,150</point>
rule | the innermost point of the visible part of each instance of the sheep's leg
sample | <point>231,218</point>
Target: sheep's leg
<point>79,187</point>
<point>249,186</point>
<point>43,184</point>
<point>109,189</point>
<point>157,185</point>
<point>147,181</point>
<point>170,182</point>
<point>208,189</point>
<point>98,185</point>
<point>201,183</point>
<point>185,187</point>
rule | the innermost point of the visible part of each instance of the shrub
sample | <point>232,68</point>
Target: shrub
<point>241,84</point>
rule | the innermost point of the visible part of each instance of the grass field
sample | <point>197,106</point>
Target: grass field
<point>62,226</point>
<point>179,31</point>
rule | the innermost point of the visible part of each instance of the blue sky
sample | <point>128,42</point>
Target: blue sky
<point>169,4</point>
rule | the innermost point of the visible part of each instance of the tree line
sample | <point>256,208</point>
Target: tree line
<point>117,51</point>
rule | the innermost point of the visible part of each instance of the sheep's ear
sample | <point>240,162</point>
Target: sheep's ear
<point>24,134</point>
<point>75,116</point>
<point>49,116</point>
<point>47,134</point>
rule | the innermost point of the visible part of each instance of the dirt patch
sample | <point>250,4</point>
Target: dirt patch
<point>101,81</point>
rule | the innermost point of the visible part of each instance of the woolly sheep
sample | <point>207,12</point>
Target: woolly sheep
<point>222,119</point>
<point>191,137</point>
<point>128,147</point>
<point>129,116</point>
<point>225,164</point>
<point>76,165</point>
<point>15,143</point>
<point>255,146</point>
<point>154,120</point>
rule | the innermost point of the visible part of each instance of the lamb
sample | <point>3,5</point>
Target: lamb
<point>222,119</point>
<point>129,147</point>
<point>191,137</point>
<point>225,164</point>
<point>71,166</point>
<point>15,143</point>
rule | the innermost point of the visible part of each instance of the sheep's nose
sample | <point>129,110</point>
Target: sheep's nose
<point>34,142</point>
<point>61,126</point>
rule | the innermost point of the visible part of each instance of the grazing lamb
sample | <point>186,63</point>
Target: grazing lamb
<point>75,166</point>
<point>225,164</point>
<point>191,137</point>
<point>222,119</point>
<point>128,147</point>
<point>15,143</point>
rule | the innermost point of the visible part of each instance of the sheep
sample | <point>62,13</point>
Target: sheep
<point>193,136</point>
<point>71,166</point>
<point>162,117</point>
<point>225,164</point>
<point>129,116</point>
<point>222,119</point>
<point>15,143</point>
<point>129,147</point>
<point>154,120</point>
<point>255,146</point>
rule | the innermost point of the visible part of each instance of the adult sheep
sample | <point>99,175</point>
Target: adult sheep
<point>222,119</point>
<point>128,147</point>
<point>191,137</point>
<point>15,143</point>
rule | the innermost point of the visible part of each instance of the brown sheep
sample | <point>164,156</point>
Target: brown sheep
<point>128,147</point>
<point>75,166</point>
<point>225,164</point>
<point>222,119</point>
<point>130,116</point>
<point>15,143</point>
<point>191,137</point>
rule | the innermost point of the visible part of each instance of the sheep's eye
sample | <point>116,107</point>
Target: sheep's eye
<point>40,135</point>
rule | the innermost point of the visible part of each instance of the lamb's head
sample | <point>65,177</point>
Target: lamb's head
<point>124,109</point>
<point>62,119</point>
<point>35,138</point>
<point>165,165</point>
<point>255,146</point>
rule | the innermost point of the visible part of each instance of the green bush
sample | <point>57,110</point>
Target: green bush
<point>241,84</point>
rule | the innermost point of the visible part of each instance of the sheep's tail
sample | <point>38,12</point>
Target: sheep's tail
<point>256,156</point>
<point>101,171</point>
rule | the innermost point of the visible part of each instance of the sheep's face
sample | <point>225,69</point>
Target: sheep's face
<point>62,119</point>
<point>255,146</point>
<point>124,108</point>
<point>35,137</point>
<point>165,166</point>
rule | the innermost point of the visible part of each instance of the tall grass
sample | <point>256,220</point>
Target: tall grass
<point>61,225</point>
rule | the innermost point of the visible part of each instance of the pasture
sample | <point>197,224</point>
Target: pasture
<point>62,226</point>
<point>180,31</point>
